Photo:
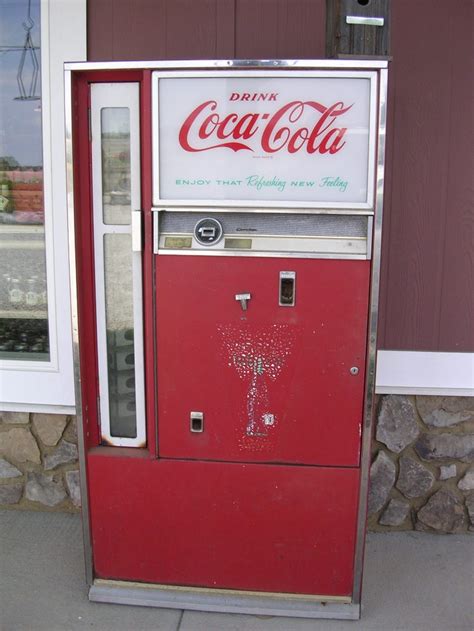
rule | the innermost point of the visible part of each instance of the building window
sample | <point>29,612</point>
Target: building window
<point>24,331</point>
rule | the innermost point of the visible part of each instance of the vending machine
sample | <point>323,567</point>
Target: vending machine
<point>225,225</point>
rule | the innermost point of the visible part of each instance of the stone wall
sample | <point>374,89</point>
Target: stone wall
<point>38,461</point>
<point>421,476</point>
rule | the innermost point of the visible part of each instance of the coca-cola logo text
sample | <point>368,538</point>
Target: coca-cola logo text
<point>205,128</point>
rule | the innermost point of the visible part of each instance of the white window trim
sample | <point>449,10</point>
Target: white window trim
<point>398,372</point>
<point>50,385</point>
<point>426,373</point>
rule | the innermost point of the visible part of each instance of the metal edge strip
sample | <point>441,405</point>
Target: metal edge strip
<point>75,327</point>
<point>261,209</point>
<point>155,144</point>
<point>370,236</point>
<point>190,73</point>
<point>156,230</point>
<point>229,63</point>
<point>264,254</point>
<point>372,341</point>
<point>269,236</point>
<point>224,601</point>
<point>250,204</point>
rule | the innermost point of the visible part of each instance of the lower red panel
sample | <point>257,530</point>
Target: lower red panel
<point>272,528</point>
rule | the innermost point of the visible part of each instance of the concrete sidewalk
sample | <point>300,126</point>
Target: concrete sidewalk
<point>413,582</point>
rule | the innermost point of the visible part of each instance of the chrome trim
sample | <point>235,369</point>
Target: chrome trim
<point>284,210</point>
<point>243,205</point>
<point>263,254</point>
<point>370,75</point>
<point>363,64</point>
<point>305,73</point>
<point>370,236</point>
<point>75,330</point>
<point>251,235</point>
<point>355,246</point>
<point>371,346</point>
<point>156,229</point>
<point>223,600</point>
<point>364,21</point>
<point>332,242</point>
<point>269,235</point>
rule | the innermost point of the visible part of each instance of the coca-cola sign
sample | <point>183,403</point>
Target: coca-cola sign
<point>300,140</point>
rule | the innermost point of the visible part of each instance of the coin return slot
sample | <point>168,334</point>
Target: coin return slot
<point>196,422</point>
<point>287,289</point>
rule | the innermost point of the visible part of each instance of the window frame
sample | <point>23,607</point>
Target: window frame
<point>103,96</point>
<point>49,385</point>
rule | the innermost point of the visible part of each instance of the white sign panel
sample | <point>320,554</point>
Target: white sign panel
<point>299,139</point>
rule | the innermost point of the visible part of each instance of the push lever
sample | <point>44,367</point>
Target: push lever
<point>243,298</point>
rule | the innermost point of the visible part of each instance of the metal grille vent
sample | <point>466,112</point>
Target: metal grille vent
<point>275,224</point>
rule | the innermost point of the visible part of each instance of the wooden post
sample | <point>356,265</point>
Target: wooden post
<point>357,28</point>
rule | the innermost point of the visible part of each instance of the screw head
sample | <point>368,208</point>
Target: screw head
<point>354,370</point>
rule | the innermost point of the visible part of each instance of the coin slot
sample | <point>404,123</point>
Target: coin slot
<point>287,289</point>
<point>208,231</point>
<point>196,422</point>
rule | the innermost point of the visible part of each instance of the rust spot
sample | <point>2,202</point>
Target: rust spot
<point>106,442</point>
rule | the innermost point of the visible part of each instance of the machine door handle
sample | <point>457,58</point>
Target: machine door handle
<point>136,230</point>
<point>243,298</point>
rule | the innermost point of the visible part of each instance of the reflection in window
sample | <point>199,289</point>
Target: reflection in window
<point>23,291</point>
<point>115,143</point>
<point>118,279</point>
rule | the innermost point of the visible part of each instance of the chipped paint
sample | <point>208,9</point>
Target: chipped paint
<point>268,419</point>
<point>257,355</point>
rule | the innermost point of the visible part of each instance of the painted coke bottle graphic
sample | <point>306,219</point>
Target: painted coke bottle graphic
<point>258,356</point>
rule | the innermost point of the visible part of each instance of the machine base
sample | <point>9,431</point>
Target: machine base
<point>223,600</point>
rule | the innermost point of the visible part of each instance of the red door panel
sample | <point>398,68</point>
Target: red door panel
<point>256,527</point>
<point>273,382</point>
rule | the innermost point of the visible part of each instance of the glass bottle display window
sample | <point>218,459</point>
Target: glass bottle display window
<point>23,285</point>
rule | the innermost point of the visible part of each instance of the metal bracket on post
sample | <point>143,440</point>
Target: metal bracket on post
<point>364,21</point>
<point>358,29</point>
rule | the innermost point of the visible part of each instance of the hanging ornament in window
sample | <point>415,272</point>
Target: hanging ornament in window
<point>28,52</point>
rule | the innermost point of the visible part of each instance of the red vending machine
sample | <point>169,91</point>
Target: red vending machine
<point>225,222</point>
